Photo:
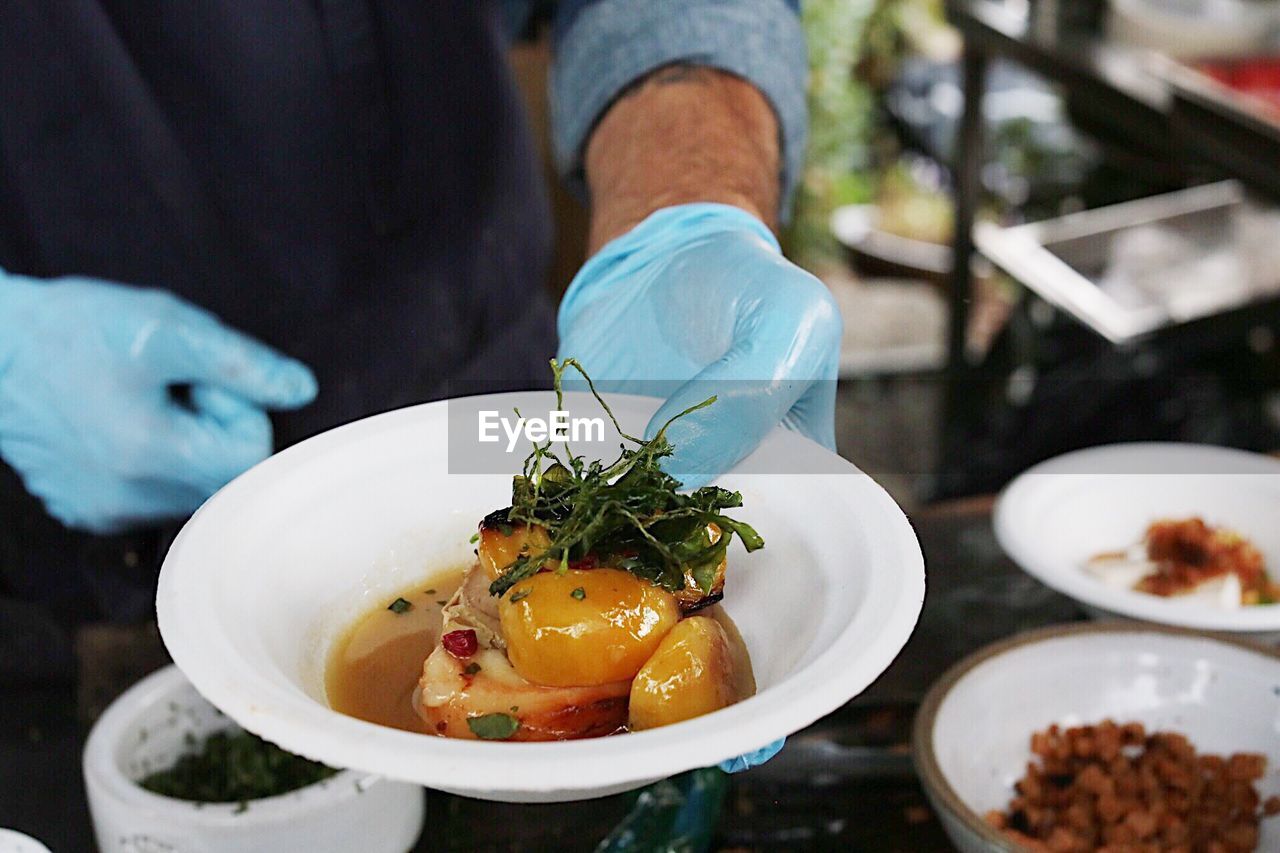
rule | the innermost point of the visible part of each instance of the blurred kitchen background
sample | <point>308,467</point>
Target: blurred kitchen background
<point>1093,323</point>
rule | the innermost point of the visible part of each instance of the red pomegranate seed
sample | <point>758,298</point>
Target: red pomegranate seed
<point>588,561</point>
<point>461,644</point>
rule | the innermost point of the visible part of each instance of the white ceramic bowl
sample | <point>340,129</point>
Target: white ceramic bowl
<point>972,734</point>
<point>15,842</point>
<point>1058,514</point>
<point>273,568</point>
<point>146,729</point>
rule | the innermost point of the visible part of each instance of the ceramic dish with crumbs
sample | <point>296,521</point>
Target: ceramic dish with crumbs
<point>972,741</point>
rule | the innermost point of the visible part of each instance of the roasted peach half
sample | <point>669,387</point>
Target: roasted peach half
<point>694,671</point>
<point>584,627</point>
<point>501,543</point>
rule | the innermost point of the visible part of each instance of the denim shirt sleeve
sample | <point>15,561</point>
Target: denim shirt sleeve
<point>602,46</point>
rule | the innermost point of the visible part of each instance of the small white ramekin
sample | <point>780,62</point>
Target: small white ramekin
<point>153,723</point>
<point>12,841</point>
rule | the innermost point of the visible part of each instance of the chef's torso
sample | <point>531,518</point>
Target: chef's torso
<point>348,180</point>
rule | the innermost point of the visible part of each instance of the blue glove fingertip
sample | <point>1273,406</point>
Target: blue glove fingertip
<point>754,758</point>
<point>293,385</point>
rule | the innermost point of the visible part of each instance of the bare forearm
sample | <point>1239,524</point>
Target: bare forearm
<point>683,134</point>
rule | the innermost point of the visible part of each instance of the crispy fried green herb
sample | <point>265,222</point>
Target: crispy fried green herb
<point>234,767</point>
<point>629,514</point>
<point>493,726</point>
<point>399,606</point>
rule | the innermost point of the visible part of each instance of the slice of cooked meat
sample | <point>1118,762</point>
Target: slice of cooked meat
<point>452,690</point>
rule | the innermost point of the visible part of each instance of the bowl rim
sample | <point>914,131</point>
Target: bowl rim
<point>1131,604</point>
<point>487,769</point>
<point>23,843</point>
<point>923,755</point>
<point>101,770</point>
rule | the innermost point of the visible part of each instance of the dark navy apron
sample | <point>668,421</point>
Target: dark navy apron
<point>349,180</point>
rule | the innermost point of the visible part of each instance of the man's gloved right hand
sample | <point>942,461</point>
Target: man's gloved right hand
<point>88,417</point>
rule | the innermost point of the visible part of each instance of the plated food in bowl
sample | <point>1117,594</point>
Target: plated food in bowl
<point>1177,534</point>
<point>638,664</point>
<point>265,583</point>
<point>1163,738</point>
<point>589,610</point>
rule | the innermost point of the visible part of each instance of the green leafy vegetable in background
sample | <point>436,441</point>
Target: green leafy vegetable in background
<point>841,111</point>
<point>628,514</point>
<point>235,766</point>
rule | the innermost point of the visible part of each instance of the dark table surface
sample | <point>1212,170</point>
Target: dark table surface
<point>844,783</point>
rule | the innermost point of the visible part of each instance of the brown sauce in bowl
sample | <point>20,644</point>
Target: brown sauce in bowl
<point>373,669</point>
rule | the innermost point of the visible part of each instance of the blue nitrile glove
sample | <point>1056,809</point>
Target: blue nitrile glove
<point>699,295</point>
<point>88,418</point>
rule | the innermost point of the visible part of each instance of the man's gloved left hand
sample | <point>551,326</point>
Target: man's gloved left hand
<point>88,417</point>
<point>700,296</point>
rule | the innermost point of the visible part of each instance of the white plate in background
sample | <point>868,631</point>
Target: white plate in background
<point>1055,516</point>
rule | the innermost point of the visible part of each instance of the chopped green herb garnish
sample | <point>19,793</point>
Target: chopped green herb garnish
<point>475,537</point>
<point>519,595</point>
<point>515,708</point>
<point>431,592</point>
<point>472,668</point>
<point>441,602</point>
<point>400,606</point>
<point>579,593</point>
<point>235,766</point>
<point>493,726</point>
<point>629,514</point>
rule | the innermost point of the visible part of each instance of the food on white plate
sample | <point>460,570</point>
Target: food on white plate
<point>1190,560</point>
<point>1114,788</point>
<point>591,610</point>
